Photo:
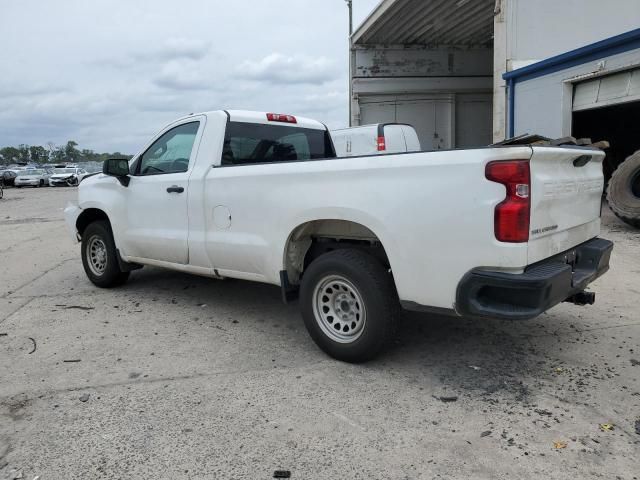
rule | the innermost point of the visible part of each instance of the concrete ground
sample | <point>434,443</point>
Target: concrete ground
<point>181,377</point>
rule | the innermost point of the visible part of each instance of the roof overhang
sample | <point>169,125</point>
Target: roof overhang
<point>428,22</point>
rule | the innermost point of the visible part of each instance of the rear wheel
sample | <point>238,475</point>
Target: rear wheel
<point>349,305</point>
<point>623,193</point>
<point>99,256</point>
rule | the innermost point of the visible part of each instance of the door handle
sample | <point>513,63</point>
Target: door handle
<point>175,189</point>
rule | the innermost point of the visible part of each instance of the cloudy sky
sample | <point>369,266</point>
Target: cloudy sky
<point>110,73</point>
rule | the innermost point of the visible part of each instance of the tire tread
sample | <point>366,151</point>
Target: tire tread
<point>386,300</point>
<point>618,182</point>
<point>113,276</point>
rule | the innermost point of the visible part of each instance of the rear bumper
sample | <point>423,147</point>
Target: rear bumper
<point>544,284</point>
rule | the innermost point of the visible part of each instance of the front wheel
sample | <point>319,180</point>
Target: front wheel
<point>349,305</point>
<point>99,256</point>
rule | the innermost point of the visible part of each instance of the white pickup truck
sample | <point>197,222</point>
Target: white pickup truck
<point>498,232</point>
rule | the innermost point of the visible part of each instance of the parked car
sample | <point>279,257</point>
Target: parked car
<point>67,177</point>
<point>32,177</point>
<point>375,139</point>
<point>8,177</point>
<point>484,233</point>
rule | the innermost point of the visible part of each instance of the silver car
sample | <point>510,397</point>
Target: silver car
<point>32,178</point>
<point>67,177</point>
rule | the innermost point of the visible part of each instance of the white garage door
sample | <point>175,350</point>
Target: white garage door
<point>430,116</point>
<point>474,118</point>
<point>612,89</point>
<point>441,121</point>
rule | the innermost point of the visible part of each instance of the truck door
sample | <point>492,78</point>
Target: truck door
<point>157,207</point>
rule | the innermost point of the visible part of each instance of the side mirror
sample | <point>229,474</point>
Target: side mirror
<point>117,167</point>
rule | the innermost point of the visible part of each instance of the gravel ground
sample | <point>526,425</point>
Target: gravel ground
<point>181,377</point>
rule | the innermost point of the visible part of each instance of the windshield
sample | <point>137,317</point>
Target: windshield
<point>64,170</point>
<point>25,173</point>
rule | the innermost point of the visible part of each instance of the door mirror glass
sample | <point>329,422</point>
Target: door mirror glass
<point>116,167</point>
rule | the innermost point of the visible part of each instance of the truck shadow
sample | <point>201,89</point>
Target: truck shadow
<point>481,357</point>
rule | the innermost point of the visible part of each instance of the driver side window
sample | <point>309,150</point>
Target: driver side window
<point>171,152</point>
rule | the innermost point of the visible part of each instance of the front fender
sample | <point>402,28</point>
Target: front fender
<point>71,214</point>
<point>105,193</point>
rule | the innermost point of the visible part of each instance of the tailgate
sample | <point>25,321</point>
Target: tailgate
<point>566,194</point>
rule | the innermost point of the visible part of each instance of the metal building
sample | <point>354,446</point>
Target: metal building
<point>469,72</point>
<point>423,63</point>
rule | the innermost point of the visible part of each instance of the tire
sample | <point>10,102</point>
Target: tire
<point>41,184</point>
<point>623,193</point>
<point>99,257</point>
<point>356,286</point>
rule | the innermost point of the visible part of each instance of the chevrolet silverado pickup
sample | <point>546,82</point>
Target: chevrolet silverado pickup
<point>502,232</point>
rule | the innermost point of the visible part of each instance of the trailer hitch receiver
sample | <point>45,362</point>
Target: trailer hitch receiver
<point>582,298</point>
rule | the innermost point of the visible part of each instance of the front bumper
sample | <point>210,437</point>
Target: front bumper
<point>27,183</point>
<point>61,182</point>
<point>544,284</point>
<point>71,214</point>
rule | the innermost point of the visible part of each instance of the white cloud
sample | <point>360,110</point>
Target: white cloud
<point>185,48</point>
<point>171,49</point>
<point>112,82</point>
<point>182,75</point>
<point>280,68</point>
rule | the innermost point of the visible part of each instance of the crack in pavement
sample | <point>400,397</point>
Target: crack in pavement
<point>22,221</point>
<point>594,410</point>
<point>594,329</point>
<point>17,310</point>
<point>40,394</point>
<point>20,287</point>
<point>75,293</point>
<point>22,242</point>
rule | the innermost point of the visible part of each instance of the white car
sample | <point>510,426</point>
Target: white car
<point>31,178</point>
<point>67,177</point>
<point>501,232</point>
<point>378,138</point>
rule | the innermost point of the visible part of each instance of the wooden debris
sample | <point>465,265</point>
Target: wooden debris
<point>602,144</point>
<point>564,141</point>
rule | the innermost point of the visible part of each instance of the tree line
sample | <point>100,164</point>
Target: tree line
<point>53,153</point>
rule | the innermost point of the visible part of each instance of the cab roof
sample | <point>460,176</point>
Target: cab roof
<point>261,117</point>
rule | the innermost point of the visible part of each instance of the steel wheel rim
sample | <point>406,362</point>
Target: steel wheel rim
<point>339,309</point>
<point>97,255</point>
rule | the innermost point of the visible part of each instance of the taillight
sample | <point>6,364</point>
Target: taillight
<point>511,217</point>
<point>382,144</point>
<point>279,117</point>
